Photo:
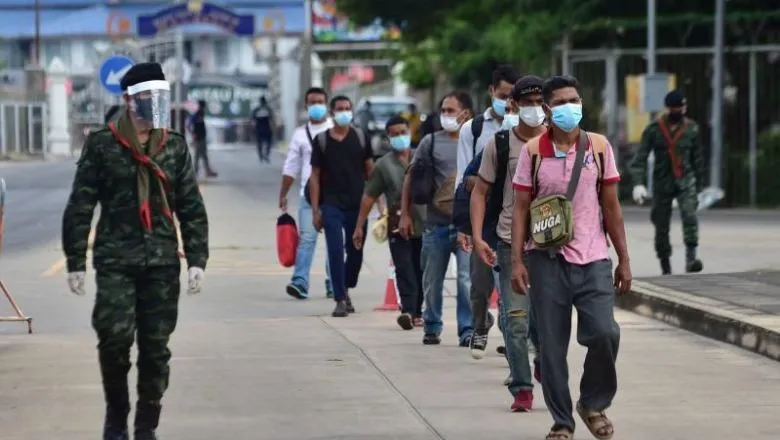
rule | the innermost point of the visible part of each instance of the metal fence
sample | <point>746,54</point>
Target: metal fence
<point>23,127</point>
<point>751,114</point>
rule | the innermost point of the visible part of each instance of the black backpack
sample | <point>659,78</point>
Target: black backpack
<point>461,215</point>
<point>422,177</point>
<point>322,143</point>
<point>476,132</point>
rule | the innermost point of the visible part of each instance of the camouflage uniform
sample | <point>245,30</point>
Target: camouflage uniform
<point>137,267</point>
<point>678,173</point>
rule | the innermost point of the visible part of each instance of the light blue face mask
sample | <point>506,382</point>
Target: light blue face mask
<point>559,154</point>
<point>317,112</point>
<point>342,118</point>
<point>567,116</point>
<point>499,106</point>
<point>401,142</point>
<point>511,120</point>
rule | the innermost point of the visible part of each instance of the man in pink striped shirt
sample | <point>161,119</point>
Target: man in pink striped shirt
<point>578,274</point>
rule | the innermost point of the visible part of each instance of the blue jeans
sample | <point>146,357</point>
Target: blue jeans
<point>437,244</point>
<point>339,225</point>
<point>307,244</point>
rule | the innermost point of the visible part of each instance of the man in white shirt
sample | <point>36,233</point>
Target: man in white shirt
<point>298,166</point>
<point>474,135</point>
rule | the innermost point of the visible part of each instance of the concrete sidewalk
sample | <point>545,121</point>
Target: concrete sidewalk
<point>251,363</point>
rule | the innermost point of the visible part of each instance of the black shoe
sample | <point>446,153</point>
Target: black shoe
<point>666,266</point>
<point>341,310</point>
<point>115,426</point>
<point>694,266</point>
<point>405,321</point>
<point>478,344</point>
<point>501,350</point>
<point>296,291</point>
<point>147,417</point>
<point>431,339</point>
<point>350,307</point>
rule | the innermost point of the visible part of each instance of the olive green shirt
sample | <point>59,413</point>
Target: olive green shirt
<point>388,179</point>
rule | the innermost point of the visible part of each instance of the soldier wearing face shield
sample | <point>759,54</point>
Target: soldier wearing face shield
<point>141,173</point>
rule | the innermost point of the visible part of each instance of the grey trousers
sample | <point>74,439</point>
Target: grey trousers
<point>482,285</point>
<point>588,288</point>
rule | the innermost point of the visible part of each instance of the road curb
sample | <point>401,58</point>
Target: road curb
<point>746,328</point>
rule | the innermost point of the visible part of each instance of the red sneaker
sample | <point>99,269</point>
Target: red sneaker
<point>524,400</point>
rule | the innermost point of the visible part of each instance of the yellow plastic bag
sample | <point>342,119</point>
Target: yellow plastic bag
<point>379,229</point>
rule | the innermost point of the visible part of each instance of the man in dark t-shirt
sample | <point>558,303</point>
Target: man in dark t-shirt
<point>262,117</point>
<point>338,175</point>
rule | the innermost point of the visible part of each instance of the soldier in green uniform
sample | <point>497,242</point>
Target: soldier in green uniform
<point>677,177</point>
<point>141,174</point>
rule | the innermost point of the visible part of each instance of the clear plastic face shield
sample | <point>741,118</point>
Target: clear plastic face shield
<point>150,103</point>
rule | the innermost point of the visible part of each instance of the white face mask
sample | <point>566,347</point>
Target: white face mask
<point>531,116</point>
<point>449,123</point>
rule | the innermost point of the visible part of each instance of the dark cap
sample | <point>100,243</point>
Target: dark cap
<point>674,99</point>
<point>142,72</point>
<point>527,85</point>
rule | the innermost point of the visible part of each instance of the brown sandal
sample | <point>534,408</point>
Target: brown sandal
<point>560,434</point>
<point>597,422</point>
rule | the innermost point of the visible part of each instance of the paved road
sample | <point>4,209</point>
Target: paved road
<point>36,196</point>
<point>250,363</point>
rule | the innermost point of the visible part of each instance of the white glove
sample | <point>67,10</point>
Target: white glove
<point>76,283</point>
<point>195,279</point>
<point>640,194</point>
<point>675,205</point>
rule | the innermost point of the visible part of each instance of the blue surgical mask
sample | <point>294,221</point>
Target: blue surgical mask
<point>499,106</point>
<point>567,116</point>
<point>317,112</point>
<point>401,142</point>
<point>511,120</point>
<point>343,118</point>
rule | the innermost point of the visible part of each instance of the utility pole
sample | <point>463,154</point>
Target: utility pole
<point>716,128</point>
<point>178,99</point>
<point>37,60</point>
<point>650,72</point>
<point>305,52</point>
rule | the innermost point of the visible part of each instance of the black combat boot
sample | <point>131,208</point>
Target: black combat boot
<point>692,264</point>
<point>666,266</point>
<point>147,417</point>
<point>117,402</point>
<point>115,425</point>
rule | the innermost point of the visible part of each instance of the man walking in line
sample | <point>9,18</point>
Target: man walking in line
<point>199,136</point>
<point>341,161</point>
<point>388,180</point>
<point>141,174</point>
<point>297,165</point>
<point>678,176</point>
<point>499,156</point>
<point>566,181</point>
<point>437,155</point>
<point>474,135</point>
<point>263,119</point>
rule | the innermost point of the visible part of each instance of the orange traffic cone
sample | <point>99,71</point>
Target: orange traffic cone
<point>392,301</point>
<point>494,299</point>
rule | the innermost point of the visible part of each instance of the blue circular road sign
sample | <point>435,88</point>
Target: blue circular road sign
<point>111,72</point>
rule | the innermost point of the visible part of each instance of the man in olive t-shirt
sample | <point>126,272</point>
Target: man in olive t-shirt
<point>388,179</point>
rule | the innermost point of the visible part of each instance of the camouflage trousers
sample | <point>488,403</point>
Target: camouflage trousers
<point>142,301</point>
<point>661,215</point>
